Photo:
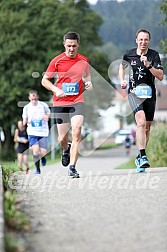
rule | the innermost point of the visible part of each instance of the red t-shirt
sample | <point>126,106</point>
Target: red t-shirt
<point>68,71</point>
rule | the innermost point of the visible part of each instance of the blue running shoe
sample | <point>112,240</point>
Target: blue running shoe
<point>65,159</point>
<point>37,172</point>
<point>137,161</point>
<point>72,172</point>
<point>144,163</point>
<point>43,161</point>
<point>138,169</point>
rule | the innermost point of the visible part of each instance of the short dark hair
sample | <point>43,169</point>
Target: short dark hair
<point>72,35</point>
<point>143,30</point>
<point>33,92</point>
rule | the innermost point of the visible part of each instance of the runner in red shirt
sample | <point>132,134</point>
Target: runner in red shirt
<point>71,71</point>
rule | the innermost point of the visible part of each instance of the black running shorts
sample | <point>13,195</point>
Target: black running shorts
<point>145,104</point>
<point>65,113</point>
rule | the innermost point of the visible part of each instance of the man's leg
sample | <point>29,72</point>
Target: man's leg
<point>36,157</point>
<point>76,124</point>
<point>148,127</point>
<point>43,146</point>
<point>141,138</point>
<point>20,160</point>
<point>63,140</point>
<point>141,129</point>
<point>25,160</point>
<point>63,135</point>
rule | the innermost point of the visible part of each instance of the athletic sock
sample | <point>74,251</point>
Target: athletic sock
<point>142,153</point>
<point>72,167</point>
<point>36,162</point>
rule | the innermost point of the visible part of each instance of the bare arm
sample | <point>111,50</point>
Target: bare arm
<point>48,85</point>
<point>122,76</point>
<point>25,120</point>
<point>19,139</point>
<point>87,79</point>
<point>16,135</point>
<point>158,73</point>
<point>88,83</point>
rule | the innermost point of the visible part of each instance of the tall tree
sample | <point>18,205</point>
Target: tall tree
<point>163,8</point>
<point>122,19</point>
<point>31,34</point>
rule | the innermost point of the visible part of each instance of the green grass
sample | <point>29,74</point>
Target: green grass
<point>15,220</point>
<point>128,165</point>
<point>107,146</point>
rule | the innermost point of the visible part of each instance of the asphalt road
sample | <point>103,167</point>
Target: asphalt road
<point>105,210</point>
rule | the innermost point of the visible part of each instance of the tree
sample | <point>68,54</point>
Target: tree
<point>163,8</point>
<point>31,35</point>
<point>123,19</point>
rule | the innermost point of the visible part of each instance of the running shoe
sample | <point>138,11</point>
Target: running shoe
<point>43,161</point>
<point>144,163</point>
<point>65,159</point>
<point>27,170</point>
<point>137,161</point>
<point>37,172</point>
<point>138,169</point>
<point>72,172</point>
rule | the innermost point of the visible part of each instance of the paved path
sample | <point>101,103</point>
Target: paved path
<point>106,210</point>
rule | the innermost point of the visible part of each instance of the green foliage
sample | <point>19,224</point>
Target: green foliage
<point>111,50</point>
<point>157,146</point>
<point>7,170</point>
<point>163,9</point>
<point>14,218</point>
<point>14,243</point>
<point>128,165</point>
<point>156,149</point>
<point>123,19</point>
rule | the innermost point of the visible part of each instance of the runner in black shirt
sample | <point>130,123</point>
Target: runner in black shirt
<point>145,65</point>
<point>22,149</point>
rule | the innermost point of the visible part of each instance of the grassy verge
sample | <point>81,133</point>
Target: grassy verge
<point>15,220</point>
<point>128,165</point>
<point>157,146</point>
<point>156,150</point>
<point>107,146</point>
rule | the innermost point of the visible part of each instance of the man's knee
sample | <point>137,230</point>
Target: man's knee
<point>141,124</point>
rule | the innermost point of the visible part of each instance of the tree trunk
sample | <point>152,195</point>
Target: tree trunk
<point>7,152</point>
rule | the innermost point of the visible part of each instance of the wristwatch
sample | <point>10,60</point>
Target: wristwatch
<point>149,67</point>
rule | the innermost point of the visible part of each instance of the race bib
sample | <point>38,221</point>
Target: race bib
<point>71,88</point>
<point>143,91</point>
<point>36,123</point>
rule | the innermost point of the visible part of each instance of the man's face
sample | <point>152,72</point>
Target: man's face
<point>33,98</point>
<point>71,47</point>
<point>142,41</point>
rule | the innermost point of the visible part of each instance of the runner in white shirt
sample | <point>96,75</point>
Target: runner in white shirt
<point>36,115</point>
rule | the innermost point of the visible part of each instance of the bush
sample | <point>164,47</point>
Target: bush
<point>157,146</point>
<point>7,170</point>
<point>16,222</point>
